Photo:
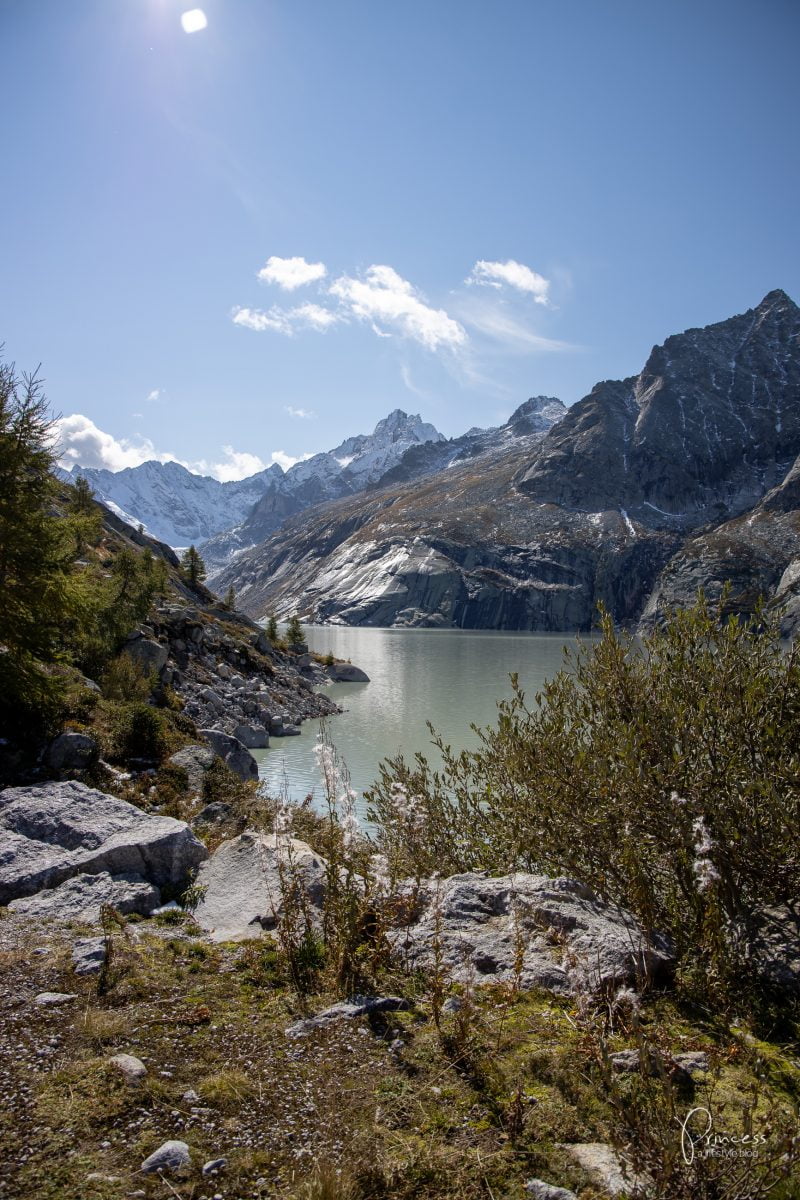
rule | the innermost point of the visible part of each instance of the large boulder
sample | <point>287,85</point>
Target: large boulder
<point>254,737</point>
<point>344,672</point>
<point>55,831</point>
<point>196,761</point>
<point>548,933</point>
<point>231,751</point>
<point>83,897</point>
<point>146,653</point>
<point>243,883</point>
<point>71,751</point>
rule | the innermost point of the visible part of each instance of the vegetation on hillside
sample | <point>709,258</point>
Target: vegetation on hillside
<point>67,596</point>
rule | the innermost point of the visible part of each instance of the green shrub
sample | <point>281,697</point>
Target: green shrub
<point>139,731</point>
<point>124,680</point>
<point>665,774</point>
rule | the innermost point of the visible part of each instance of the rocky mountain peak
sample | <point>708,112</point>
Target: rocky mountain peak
<point>537,415</point>
<point>399,425</point>
<point>708,427</point>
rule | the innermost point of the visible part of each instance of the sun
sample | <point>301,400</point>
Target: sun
<point>193,20</point>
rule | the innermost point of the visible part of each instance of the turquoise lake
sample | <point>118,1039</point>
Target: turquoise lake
<point>450,677</point>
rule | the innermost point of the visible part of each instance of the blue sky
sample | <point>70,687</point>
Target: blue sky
<point>507,199</point>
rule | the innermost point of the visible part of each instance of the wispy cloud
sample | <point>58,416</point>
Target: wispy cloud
<point>512,274</point>
<point>492,313</point>
<point>391,305</point>
<point>405,375</point>
<point>502,323</point>
<point>286,320</point>
<point>154,396</point>
<point>291,273</point>
<point>303,414</point>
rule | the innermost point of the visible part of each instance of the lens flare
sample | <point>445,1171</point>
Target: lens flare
<point>193,20</point>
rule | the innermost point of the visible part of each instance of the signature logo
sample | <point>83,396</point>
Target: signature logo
<point>697,1137</point>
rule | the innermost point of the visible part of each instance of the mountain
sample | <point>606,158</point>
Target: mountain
<point>684,475</point>
<point>181,508</point>
<point>173,504</point>
<point>401,448</point>
<point>709,426</point>
<point>351,467</point>
<point>535,416</point>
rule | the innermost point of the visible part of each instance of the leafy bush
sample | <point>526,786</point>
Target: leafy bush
<point>665,774</point>
<point>141,732</point>
<point>125,680</point>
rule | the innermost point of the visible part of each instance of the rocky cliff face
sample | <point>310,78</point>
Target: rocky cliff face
<point>709,426</point>
<point>466,554</point>
<point>685,475</point>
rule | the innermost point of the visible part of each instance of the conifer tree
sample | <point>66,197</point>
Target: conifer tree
<point>36,551</point>
<point>294,632</point>
<point>193,568</point>
<point>230,599</point>
<point>272,628</point>
<point>81,497</point>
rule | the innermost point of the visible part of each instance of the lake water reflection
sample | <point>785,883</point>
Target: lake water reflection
<point>451,677</point>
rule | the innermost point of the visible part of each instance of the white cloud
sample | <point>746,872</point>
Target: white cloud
<point>79,442</point>
<point>253,318</point>
<point>237,464</point>
<point>384,298</point>
<point>153,396</point>
<point>303,414</point>
<point>286,320</point>
<point>286,460</point>
<point>514,274</point>
<point>291,273</point>
<point>314,315</point>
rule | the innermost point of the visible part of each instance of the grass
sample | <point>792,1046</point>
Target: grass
<point>346,1113</point>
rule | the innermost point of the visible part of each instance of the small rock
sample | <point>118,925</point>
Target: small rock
<point>254,737</point>
<point>214,813</point>
<point>98,1177</point>
<point>539,1190</point>
<point>214,1165</point>
<point>359,1006</point>
<point>625,1060</point>
<point>88,955</point>
<point>51,999</point>
<point>196,761</point>
<point>190,1097</point>
<point>131,1067</point>
<point>171,1156</point>
<point>692,1061</point>
<point>604,1165</point>
<point>149,655</point>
